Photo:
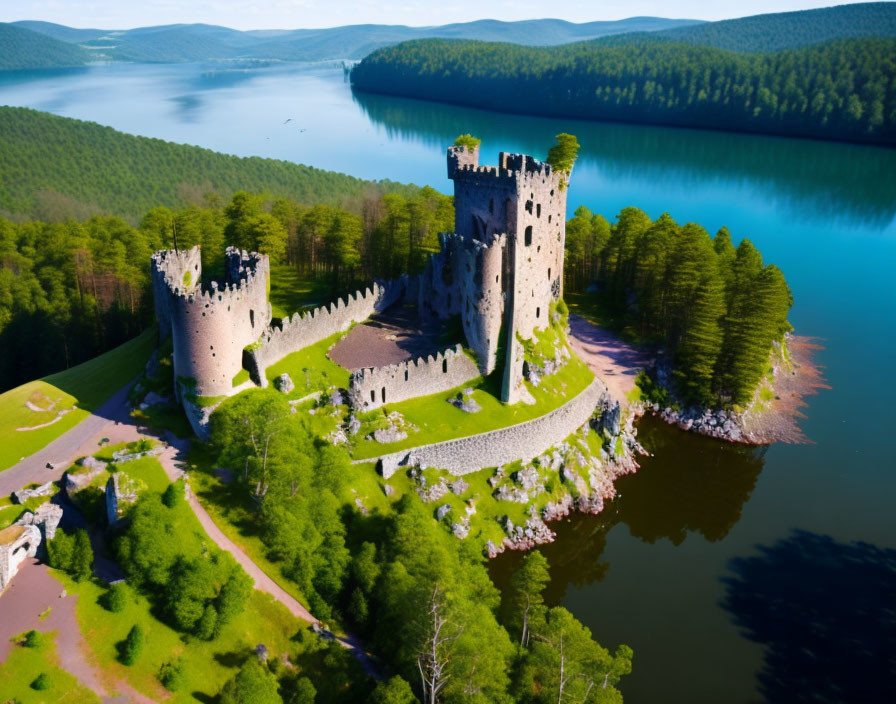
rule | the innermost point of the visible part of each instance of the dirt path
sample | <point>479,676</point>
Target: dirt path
<point>262,581</point>
<point>110,418</point>
<point>615,362</point>
<point>32,592</point>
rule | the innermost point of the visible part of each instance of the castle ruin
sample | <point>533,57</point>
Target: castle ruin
<point>503,266</point>
<point>500,271</point>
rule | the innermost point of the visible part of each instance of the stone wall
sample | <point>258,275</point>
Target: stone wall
<point>523,441</point>
<point>465,279</point>
<point>211,327</point>
<point>374,387</point>
<point>304,329</point>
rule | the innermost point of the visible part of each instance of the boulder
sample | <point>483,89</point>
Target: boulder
<point>443,511</point>
<point>284,384</point>
<point>388,435</point>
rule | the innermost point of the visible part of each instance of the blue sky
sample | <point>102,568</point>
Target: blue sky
<point>289,14</point>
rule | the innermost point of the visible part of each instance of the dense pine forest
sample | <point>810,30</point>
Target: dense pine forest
<point>782,30</point>
<point>24,49</point>
<point>70,291</point>
<point>714,310</point>
<point>842,89</point>
<point>52,168</point>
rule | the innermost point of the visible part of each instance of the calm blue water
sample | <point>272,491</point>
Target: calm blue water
<point>664,569</point>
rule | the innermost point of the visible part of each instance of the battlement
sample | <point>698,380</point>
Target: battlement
<point>210,326</point>
<point>373,387</point>
<point>511,168</point>
<point>304,329</point>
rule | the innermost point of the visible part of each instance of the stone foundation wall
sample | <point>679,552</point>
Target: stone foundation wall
<point>377,386</point>
<point>524,441</point>
<point>304,329</point>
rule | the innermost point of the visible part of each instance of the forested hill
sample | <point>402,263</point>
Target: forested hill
<point>839,90</point>
<point>782,30</point>
<point>52,168</point>
<point>23,49</point>
<point>201,42</point>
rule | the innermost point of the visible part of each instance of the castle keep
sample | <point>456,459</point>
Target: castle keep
<point>503,266</point>
<point>499,271</point>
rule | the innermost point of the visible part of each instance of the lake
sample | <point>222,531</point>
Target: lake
<point>732,572</point>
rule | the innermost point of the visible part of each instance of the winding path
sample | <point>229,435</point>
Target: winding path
<point>112,420</point>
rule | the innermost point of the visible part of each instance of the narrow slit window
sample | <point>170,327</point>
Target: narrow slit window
<point>528,236</point>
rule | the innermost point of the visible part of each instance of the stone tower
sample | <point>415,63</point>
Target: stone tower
<point>503,266</point>
<point>210,328</point>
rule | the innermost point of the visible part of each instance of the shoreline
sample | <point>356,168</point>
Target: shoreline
<point>765,421</point>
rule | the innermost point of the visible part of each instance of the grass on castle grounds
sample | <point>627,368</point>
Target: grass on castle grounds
<point>87,385</point>
<point>24,665</point>
<point>291,292</point>
<point>311,369</point>
<point>207,664</point>
<point>437,420</point>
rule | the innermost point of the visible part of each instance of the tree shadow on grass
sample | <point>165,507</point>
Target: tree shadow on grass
<point>826,614</point>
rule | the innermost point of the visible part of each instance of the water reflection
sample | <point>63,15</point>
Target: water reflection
<point>692,484</point>
<point>187,108</point>
<point>825,613</point>
<point>842,181</point>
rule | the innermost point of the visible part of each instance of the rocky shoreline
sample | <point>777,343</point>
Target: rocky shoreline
<point>590,498</point>
<point>764,421</point>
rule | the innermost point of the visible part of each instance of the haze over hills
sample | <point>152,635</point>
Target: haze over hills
<point>199,42</point>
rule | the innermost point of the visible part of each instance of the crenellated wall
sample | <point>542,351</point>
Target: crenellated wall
<point>210,327</point>
<point>304,329</point>
<point>376,386</point>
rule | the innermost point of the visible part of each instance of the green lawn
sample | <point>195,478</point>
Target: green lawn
<point>291,292</point>
<point>437,420</point>
<point>88,385</point>
<point>311,369</point>
<point>22,667</point>
<point>208,664</point>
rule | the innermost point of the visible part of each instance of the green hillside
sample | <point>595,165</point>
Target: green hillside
<point>24,49</point>
<point>54,167</point>
<point>790,30</point>
<point>841,89</point>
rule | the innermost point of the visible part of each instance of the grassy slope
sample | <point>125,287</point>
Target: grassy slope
<point>321,372</point>
<point>208,663</point>
<point>88,384</point>
<point>55,167</point>
<point>24,49</point>
<point>23,665</point>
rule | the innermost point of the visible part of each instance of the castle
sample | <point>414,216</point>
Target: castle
<point>500,271</point>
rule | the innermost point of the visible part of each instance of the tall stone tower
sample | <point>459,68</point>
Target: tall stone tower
<point>503,266</point>
<point>210,327</point>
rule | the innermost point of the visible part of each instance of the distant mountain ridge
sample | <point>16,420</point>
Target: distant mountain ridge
<point>200,42</point>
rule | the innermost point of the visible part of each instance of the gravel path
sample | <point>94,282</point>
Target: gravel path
<point>615,362</point>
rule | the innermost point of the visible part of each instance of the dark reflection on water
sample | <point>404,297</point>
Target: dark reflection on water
<point>842,181</point>
<point>11,78</point>
<point>825,612</point>
<point>692,484</point>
